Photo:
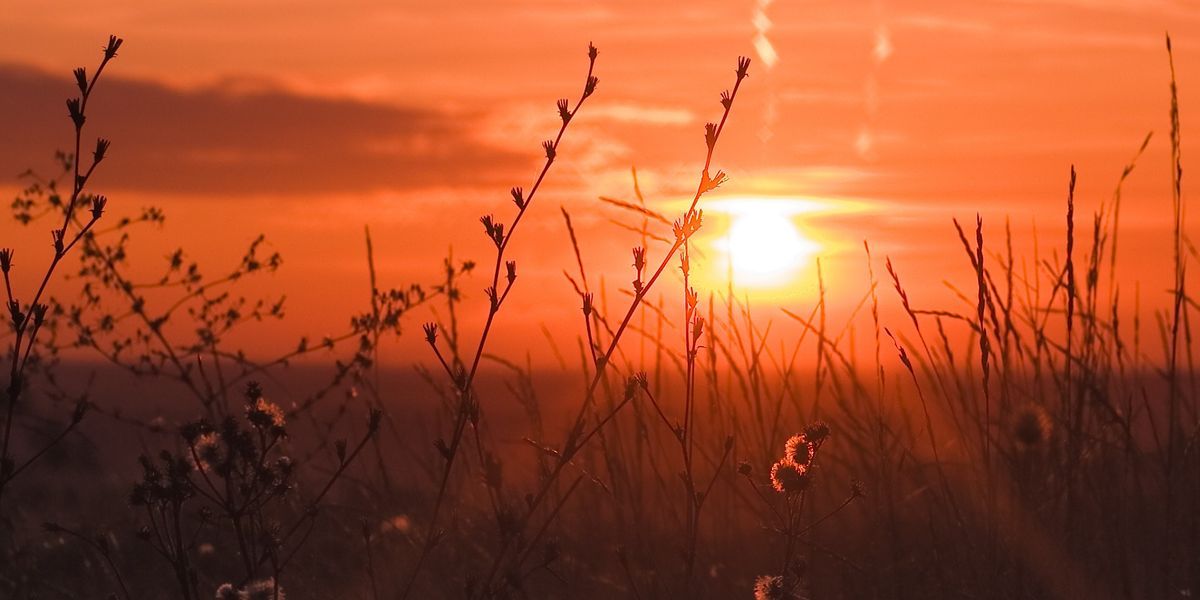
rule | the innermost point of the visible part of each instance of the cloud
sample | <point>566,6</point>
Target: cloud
<point>635,113</point>
<point>247,138</point>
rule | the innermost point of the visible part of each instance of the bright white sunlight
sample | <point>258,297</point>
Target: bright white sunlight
<point>763,246</point>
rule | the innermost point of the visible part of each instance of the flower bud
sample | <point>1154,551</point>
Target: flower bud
<point>564,112</point>
<point>114,43</point>
<point>81,80</point>
<point>75,111</point>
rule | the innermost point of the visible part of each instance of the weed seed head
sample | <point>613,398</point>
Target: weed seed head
<point>770,587</point>
<point>1032,426</point>
<point>264,414</point>
<point>789,477</point>
<point>265,589</point>
<point>799,449</point>
<point>816,432</point>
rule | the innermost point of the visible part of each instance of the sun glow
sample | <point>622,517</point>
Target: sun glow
<point>763,246</point>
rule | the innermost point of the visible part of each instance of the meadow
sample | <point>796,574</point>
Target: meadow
<point>1031,441</point>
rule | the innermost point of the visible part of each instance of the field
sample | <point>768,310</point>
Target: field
<point>1040,438</point>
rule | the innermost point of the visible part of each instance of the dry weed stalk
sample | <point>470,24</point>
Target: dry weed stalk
<point>27,321</point>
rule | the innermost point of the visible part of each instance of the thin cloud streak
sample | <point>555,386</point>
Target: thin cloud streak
<point>249,138</point>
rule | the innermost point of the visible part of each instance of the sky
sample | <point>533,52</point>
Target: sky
<point>307,120</point>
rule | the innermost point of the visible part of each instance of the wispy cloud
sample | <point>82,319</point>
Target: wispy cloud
<point>637,113</point>
<point>248,137</point>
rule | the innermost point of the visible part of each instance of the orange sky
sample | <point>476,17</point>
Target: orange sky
<point>305,120</point>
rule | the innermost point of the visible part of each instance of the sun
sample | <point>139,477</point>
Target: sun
<point>763,246</point>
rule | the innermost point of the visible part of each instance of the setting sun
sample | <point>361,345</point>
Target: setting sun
<point>763,247</point>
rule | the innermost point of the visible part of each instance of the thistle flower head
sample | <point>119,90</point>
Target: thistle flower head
<point>1032,426</point>
<point>264,414</point>
<point>816,432</point>
<point>265,589</point>
<point>209,453</point>
<point>789,477</point>
<point>192,430</point>
<point>770,587</point>
<point>227,592</point>
<point>799,449</point>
